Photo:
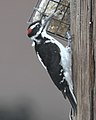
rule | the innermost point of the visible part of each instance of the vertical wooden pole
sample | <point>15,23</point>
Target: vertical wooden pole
<point>94,39</point>
<point>83,27</point>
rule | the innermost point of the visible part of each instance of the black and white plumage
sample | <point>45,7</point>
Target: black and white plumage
<point>55,58</point>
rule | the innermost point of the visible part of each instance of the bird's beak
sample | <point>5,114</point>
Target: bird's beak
<point>48,18</point>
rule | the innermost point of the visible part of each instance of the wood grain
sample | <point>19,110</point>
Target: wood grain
<point>83,27</point>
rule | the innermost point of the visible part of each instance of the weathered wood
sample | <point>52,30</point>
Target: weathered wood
<point>94,39</point>
<point>83,27</point>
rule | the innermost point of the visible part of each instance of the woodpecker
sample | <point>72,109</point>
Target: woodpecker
<point>54,57</point>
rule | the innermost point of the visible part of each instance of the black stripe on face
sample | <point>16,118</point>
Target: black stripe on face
<point>34,23</point>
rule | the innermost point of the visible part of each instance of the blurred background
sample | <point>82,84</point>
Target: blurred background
<point>26,90</point>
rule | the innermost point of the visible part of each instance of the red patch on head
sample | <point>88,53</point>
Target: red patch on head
<point>29,31</point>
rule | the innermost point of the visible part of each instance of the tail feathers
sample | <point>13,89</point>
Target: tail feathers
<point>71,97</point>
<point>71,115</point>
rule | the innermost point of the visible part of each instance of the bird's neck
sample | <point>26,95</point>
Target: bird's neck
<point>41,38</point>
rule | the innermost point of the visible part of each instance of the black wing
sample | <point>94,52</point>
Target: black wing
<point>50,56</point>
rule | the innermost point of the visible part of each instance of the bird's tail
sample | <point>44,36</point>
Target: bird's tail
<point>71,97</point>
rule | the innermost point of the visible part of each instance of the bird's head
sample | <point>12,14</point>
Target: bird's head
<point>34,29</point>
<point>37,27</point>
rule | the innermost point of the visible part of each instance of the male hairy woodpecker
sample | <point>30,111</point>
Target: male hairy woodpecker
<point>55,58</point>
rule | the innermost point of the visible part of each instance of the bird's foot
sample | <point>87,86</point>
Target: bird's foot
<point>69,38</point>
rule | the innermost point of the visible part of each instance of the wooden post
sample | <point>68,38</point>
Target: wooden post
<point>83,27</point>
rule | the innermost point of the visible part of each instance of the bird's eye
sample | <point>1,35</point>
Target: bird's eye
<point>38,26</point>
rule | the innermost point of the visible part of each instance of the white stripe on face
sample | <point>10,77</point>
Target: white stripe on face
<point>33,26</point>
